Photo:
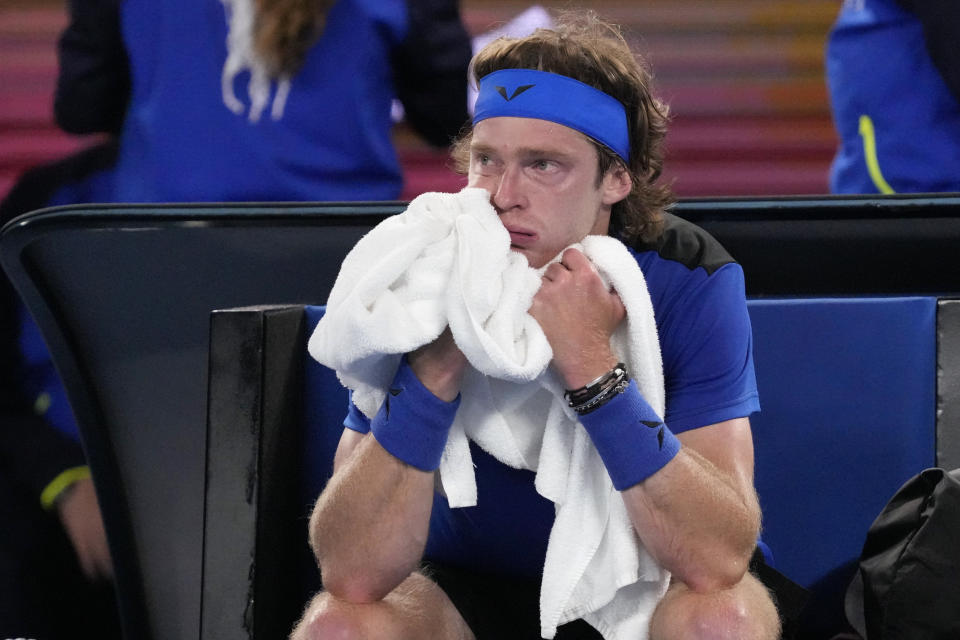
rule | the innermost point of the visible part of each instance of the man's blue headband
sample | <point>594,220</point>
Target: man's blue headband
<point>525,93</point>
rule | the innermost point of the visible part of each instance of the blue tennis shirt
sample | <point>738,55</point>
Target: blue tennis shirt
<point>697,291</point>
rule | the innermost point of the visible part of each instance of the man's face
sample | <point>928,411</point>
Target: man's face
<point>543,181</point>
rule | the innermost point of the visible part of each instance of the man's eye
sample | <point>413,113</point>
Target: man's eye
<point>543,165</point>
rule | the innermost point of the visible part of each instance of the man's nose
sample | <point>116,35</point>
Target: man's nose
<point>508,192</point>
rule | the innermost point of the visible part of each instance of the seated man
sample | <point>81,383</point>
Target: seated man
<point>560,167</point>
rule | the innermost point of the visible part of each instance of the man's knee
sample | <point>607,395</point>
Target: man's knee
<point>744,612</point>
<point>328,618</point>
<point>415,609</point>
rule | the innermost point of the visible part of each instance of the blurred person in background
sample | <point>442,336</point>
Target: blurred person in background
<point>893,69</point>
<point>252,100</point>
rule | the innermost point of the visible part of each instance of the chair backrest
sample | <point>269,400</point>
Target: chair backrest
<point>275,420</point>
<point>848,394</point>
<point>837,245</point>
<point>122,295</point>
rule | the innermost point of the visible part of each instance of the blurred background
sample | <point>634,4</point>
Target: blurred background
<point>745,82</point>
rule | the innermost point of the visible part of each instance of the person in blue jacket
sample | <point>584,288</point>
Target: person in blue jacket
<point>893,70</point>
<point>567,139</point>
<point>201,100</point>
<point>242,100</point>
<point>254,101</point>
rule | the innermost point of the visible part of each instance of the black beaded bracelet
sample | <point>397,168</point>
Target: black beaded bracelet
<point>597,393</point>
<point>603,399</point>
<point>589,390</point>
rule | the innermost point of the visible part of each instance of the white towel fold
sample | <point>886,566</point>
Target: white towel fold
<point>447,261</point>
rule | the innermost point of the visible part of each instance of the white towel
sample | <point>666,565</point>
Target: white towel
<point>447,261</point>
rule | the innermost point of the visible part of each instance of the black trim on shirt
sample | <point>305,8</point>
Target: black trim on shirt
<point>688,244</point>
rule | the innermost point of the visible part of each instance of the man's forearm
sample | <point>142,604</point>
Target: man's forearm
<point>692,503</point>
<point>369,527</point>
<point>370,524</point>
<point>696,520</point>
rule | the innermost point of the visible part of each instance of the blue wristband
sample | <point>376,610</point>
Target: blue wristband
<point>412,423</point>
<point>633,441</point>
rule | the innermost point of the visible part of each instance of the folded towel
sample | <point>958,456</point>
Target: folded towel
<point>447,261</point>
<point>396,291</point>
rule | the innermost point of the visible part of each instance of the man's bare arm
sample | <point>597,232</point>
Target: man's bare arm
<point>369,526</point>
<point>698,514</point>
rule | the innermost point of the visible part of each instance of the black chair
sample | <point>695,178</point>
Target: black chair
<point>123,296</point>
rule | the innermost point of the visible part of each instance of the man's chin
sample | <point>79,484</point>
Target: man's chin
<point>532,257</point>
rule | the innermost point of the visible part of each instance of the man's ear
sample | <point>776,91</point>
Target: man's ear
<point>616,185</point>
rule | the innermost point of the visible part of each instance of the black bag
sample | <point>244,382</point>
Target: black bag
<point>908,584</point>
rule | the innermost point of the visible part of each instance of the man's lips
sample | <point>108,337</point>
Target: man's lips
<point>521,237</point>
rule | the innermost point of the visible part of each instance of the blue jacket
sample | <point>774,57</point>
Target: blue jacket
<point>888,70</point>
<point>152,70</point>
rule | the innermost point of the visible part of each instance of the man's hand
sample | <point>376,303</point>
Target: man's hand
<point>578,314</point>
<point>80,514</point>
<point>440,366</point>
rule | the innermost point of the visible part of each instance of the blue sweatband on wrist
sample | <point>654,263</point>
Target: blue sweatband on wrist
<point>632,440</point>
<point>412,423</point>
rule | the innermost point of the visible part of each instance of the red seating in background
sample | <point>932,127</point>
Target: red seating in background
<point>744,81</point>
<point>28,68</point>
